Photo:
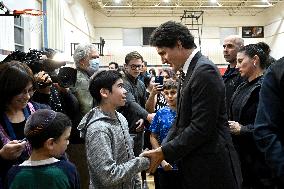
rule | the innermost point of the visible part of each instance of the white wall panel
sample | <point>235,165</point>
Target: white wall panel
<point>7,33</point>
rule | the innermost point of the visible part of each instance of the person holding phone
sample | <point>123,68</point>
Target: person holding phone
<point>17,85</point>
<point>156,99</point>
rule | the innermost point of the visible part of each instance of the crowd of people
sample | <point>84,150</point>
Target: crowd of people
<point>186,124</point>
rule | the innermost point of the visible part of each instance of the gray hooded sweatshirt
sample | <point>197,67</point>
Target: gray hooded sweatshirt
<point>109,149</point>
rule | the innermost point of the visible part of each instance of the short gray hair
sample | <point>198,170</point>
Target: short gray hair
<point>237,40</point>
<point>82,52</point>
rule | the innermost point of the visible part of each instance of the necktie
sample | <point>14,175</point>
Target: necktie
<point>182,77</point>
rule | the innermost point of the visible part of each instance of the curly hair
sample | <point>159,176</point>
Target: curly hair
<point>169,33</point>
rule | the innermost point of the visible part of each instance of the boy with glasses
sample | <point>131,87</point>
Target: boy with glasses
<point>134,109</point>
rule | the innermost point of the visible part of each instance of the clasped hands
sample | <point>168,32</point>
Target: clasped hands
<point>156,156</point>
<point>235,127</point>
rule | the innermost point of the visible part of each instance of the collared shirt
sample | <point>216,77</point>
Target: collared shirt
<point>131,78</point>
<point>187,62</point>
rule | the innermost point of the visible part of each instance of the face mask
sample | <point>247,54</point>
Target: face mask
<point>95,64</point>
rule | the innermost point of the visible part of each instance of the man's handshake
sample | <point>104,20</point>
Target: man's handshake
<point>156,157</point>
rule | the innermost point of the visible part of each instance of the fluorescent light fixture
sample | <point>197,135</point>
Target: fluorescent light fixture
<point>213,1</point>
<point>166,1</point>
<point>117,1</point>
<point>262,6</point>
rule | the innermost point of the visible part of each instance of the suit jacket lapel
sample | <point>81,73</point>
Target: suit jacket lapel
<point>187,77</point>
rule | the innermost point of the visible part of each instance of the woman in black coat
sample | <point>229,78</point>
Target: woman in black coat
<point>251,62</point>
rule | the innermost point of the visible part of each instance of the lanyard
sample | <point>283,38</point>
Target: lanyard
<point>9,124</point>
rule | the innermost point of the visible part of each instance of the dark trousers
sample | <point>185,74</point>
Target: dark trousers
<point>77,155</point>
<point>169,179</point>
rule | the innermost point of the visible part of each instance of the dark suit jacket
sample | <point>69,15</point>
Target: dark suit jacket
<point>200,141</point>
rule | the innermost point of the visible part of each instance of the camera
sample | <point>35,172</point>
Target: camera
<point>66,76</point>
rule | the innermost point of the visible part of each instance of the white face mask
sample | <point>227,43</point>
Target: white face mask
<point>95,64</point>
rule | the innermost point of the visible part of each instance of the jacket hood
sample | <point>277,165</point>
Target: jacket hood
<point>92,116</point>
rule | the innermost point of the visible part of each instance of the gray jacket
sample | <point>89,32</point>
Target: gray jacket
<point>111,162</point>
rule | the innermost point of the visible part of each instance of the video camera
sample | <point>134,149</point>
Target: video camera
<point>66,76</point>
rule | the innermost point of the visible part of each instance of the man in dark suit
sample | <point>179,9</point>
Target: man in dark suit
<point>199,141</point>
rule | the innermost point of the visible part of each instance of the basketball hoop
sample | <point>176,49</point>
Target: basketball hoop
<point>34,16</point>
<point>31,12</point>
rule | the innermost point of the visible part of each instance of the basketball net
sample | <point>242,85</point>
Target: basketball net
<point>34,17</point>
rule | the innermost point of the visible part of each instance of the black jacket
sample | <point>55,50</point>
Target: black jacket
<point>269,127</point>
<point>200,141</point>
<point>232,80</point>
<point>243,109</point>
<point>134,108</point>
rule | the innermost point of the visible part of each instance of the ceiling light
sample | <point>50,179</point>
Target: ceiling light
<point>166,1</point>
<point>117,1</point>
<point>262,6</point>
<point>213,1</point>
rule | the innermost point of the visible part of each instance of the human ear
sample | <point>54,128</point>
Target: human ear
<point>179,45</point>
<point>49,143</point>
<point>104,92</point>
<point>255,60</point>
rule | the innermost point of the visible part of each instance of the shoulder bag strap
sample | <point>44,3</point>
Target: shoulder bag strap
<point>31,107</point>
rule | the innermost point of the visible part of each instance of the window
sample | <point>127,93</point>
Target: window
<point>19,33</point>
<point>132,37</point>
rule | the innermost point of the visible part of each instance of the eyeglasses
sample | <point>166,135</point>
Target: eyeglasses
<point>134,67</point>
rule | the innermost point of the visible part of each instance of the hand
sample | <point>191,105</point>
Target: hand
<point>235,127</point>
<point>166,166</point>
<point>150,117</point>
<point>156,157</point>
<point>43,78</point>
<point>140,126</point>
<point>12,150</point>
<point>157,88</point>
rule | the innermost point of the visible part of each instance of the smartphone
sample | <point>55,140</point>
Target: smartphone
<point>159,79</point>
<point>24,139</point>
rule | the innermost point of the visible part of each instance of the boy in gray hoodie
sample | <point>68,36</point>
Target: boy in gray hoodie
<point>109,147</point>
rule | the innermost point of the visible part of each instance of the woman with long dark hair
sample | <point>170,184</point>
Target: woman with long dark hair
<point>17,86</point>
<point>251,61</point>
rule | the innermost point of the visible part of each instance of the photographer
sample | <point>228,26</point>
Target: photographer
<point>51,88</point>
<point>58,97</point>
